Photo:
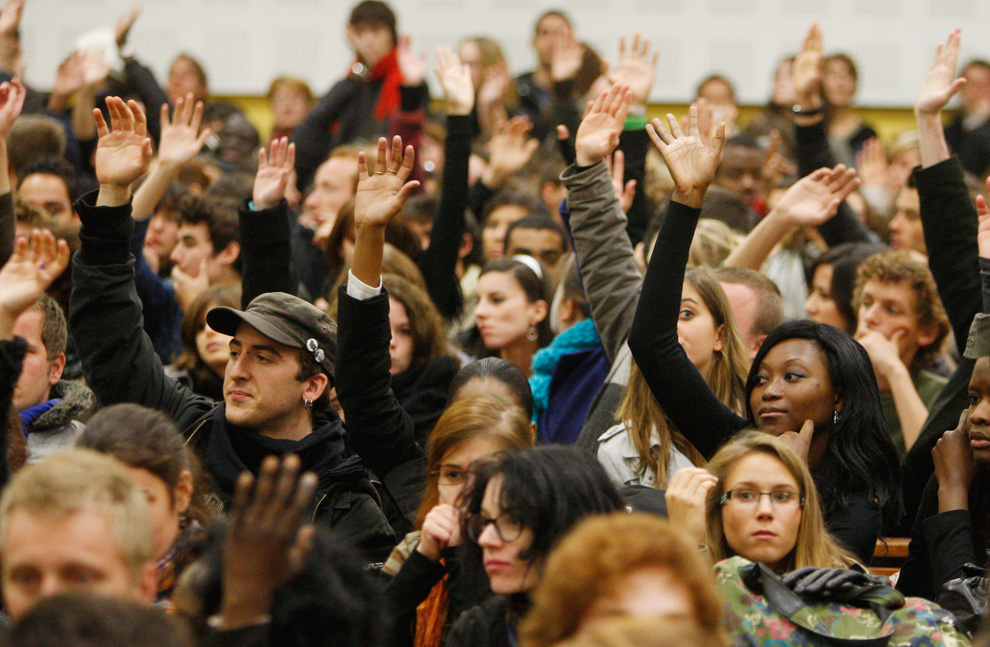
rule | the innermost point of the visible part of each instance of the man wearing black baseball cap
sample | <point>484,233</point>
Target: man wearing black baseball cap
<point>277,382</point>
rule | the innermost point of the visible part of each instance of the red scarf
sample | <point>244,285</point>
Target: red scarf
<point>388,96</point>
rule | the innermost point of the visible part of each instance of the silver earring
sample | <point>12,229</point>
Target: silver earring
<point>531,334</point>
<point>308,404</point>
<point>835,417</point>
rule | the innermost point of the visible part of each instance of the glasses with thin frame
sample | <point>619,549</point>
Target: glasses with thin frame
<point>750,498</point>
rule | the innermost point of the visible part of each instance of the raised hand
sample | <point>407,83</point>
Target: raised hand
<point>494,83</point>
<point>381,194</point>
<point>273,174</point>
<point>566,59</point>
<point>941,83</point>
<point>871,163</point>
<point>123,155</point>
<point>692,165</point>
<point>598,134</point>
<point>983,230</point>
<point>509,149</point>
<point>94,70</point>
<point>458,90</point>
<point>70,77</point>
<point>30,270</point>
<point>685,496</point>
<point>267,543</point>
<point>625,193</point>
<point>814,199</point>
<point>10,18</point>
<point>636,69</point>
<point>441,528</point>
<point>807,69</point>
<point>11,103</point>
<point>123,28</point>
<point>412,64</point>
<point>187,286</point>
<point>181,139</point>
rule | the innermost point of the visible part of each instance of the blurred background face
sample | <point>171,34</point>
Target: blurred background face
<point>976,92</point>
<point>550,32</point>
<point>783,85</point>
<point>838,83</point>
<point>371,42</point>
<point>646,593</point>
<point>289,106</point>
<point>183,78</point>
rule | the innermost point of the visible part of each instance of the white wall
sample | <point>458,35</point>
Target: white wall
<point>246,43</point>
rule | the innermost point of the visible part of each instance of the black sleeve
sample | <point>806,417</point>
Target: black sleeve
<point>563,107</point>
<point>12,354</point>
<point>949,221</point>
<point>266,253</point>
<point>674,381</point>
<point>915,578</point>
<point>312,136</point>
<point>481,193</point>
<point>635,144</point>
<point>118,359</point>
<point>857,524</point>
<point>438,261</point>
<point>378,428</point>
<point>813,153</point>
<point>8,227</point>
<point>408,589</point>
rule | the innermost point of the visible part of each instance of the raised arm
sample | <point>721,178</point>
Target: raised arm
<point>598,226</point>
<point>378,429</point>
<point>809,202</point>
<point>265,228</point>
<point>11,102</point>
<point>105,312</point>
<point>674,381</point>
<point>812,147</point>
<point>947,214</point>
<point>439,260</point>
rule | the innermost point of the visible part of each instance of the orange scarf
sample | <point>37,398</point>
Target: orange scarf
<point>431,616</point>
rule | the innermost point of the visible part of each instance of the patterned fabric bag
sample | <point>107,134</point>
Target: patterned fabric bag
<point>763,612</point>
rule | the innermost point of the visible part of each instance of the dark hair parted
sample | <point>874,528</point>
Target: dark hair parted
<point>53,165</point>
<point>845,259</point>
<point>149,440</point>
<point>538,222</point>
<point>498,370</point>
<point>547,489</point>
<point>860,450</point>
<point>536,286</point>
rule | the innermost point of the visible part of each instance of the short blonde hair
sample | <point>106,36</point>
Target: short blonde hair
<point>76,480</point>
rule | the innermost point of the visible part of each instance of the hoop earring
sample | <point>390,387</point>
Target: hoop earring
<point>308,404</point>
<point>532,334</point>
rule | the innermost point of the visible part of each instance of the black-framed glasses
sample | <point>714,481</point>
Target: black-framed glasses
<point>507,529</point>
<point>749,498</point>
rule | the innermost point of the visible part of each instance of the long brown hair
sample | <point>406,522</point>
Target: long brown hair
<point>490,416</point>
<point>195,319</point>
<point>815,546</point>
<point>425,323</point>
<point>642,414</point>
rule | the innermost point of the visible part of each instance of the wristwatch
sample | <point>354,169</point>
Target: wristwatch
<point>798,111</point>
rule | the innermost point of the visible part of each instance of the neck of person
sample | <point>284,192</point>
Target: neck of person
<point>818,449</point>
<point>294,426</point>
<point>520,353</point>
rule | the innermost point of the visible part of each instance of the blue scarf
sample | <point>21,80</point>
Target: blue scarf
<point>580,336</point>
<point>29,415</point>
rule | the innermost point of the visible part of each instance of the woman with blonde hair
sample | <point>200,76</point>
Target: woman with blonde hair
<point>645,448</point>
<point>428,587</point>
<point>621,565</point>
<point>758,500</point>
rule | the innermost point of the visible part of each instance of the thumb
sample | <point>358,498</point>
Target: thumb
<point>807,430</point>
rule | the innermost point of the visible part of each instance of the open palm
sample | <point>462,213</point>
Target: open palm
<point>30,270</point>
<point>598,134</point>
<point>122,156</point>
<point>941,83</point>
<point>181,140</point>
<point>381,194</point>
<point>816,198</point>
<point>692,165</point>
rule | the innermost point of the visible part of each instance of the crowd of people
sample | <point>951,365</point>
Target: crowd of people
<point>517,367</point>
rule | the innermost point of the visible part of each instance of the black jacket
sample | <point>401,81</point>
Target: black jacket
<point>120,365</point>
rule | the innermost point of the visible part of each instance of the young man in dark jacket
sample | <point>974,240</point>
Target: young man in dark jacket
<point>276,388</point>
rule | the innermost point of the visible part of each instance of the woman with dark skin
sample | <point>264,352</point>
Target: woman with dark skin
<point>806,376</point>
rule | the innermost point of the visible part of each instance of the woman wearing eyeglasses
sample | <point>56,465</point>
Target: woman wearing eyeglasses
<point>430,582</point>
<point>757,500</point>
<point>518,508</point>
